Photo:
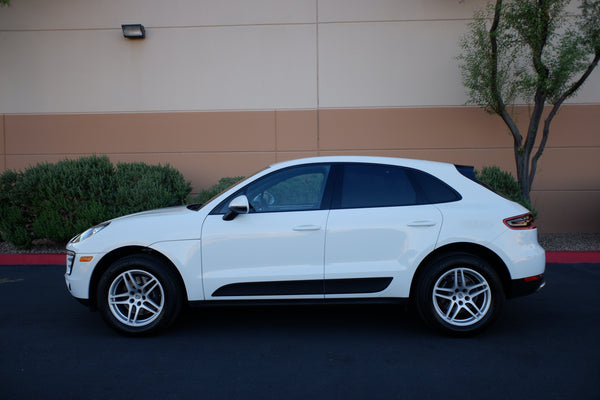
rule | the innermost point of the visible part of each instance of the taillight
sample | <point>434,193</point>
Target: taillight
<point>525,221</point>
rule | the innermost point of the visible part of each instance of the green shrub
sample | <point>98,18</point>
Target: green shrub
<point>13,226</point>
<point>504,183</point>
<point>57,201</point>
<point>222,185</point>
<point>145,187</point>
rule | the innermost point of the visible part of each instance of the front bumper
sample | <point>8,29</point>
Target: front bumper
<point>78,274</point>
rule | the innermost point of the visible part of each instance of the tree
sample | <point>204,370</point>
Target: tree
<point>529,52</point>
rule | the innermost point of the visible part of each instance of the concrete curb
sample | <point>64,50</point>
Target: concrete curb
<point>567,257</point>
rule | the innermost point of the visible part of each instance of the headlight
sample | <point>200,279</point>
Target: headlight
<point>70,261</point>
<point>90,232</point>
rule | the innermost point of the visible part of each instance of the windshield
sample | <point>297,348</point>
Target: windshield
<point>198,206</point>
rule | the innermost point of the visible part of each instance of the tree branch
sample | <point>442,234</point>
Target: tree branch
<point>500,107</point>
<point>543,20</point>
<point>555,108</point>
<point>569,92</point>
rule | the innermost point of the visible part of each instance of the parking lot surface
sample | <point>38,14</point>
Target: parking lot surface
<point>543,346</point>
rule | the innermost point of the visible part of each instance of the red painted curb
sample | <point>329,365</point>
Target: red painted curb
<point>33,259</point>
<point>573,256</point>
<point>60,259</point>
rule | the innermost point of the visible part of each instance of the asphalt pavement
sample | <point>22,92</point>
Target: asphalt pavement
<point>544,346</point>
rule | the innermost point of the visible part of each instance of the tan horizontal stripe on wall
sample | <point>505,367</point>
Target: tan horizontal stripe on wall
<point>447,127</point>
<point>206,146</point>
<point>567,211</point>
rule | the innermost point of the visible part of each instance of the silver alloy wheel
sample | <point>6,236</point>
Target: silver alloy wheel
<point>136,298</point>
<point>462,297</point>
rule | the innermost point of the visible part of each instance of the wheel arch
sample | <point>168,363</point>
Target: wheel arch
<point>109,258</point>
<point>469,248</point>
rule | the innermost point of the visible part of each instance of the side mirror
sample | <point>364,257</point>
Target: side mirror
<point>239,205</point>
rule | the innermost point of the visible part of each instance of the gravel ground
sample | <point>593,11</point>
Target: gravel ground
<point>39,247</point>
<point>549,241</point>
<point>570,241</point>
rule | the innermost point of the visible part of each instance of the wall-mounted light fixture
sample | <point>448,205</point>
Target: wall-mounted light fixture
<point>134,31</point>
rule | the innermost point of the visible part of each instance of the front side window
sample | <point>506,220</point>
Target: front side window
<point>292,189</point>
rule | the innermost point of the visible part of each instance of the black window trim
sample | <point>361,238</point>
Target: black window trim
<point>332,196</point>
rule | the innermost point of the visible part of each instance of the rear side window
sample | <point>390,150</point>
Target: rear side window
<point>371,185</point>
<point>375,185</point>
<point>434,190</point>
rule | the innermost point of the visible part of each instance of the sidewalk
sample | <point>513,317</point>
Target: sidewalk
<point>567,257</point>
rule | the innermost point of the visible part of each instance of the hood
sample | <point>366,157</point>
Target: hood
<point>169,211</point>
<point>144,229</point>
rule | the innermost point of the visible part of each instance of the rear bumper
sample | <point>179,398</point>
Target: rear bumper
<point>525,286</point>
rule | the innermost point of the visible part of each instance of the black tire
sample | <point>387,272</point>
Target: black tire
<point>139,295</point>
<point>459,294</point>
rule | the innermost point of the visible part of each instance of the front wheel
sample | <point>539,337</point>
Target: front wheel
<point>138,295</point>
<point>460,294</point>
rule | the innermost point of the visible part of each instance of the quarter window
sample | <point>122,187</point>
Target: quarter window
<point>434,190</point>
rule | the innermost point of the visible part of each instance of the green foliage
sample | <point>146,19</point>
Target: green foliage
<point>477,61</point>
<point>143,187</point>
<point>57,201</point>
<point>12,226</point>
<point>221,186</point>
<point>539,47</point>
<point>503,183</point>
<point>590,16</point>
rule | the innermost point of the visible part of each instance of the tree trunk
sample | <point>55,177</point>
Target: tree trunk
<point>522,160</point>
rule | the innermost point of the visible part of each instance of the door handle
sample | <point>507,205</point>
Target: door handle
<point>419,224</point>
<point>306,228</point>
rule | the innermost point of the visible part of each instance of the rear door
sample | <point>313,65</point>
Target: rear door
<point>378,227</point>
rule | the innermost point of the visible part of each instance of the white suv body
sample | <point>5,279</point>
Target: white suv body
<point>317,229</point>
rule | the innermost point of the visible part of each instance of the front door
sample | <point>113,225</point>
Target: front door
<point>276,250</point>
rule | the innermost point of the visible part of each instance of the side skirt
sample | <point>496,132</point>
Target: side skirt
<point>304,287</point>
<point>299,302</point>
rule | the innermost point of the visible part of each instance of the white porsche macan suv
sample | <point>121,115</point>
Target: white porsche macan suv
<point>324,229</point>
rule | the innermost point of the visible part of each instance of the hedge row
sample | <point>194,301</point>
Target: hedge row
<point>57,201</point>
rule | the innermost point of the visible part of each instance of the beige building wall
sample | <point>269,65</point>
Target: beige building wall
<point>224,88</point>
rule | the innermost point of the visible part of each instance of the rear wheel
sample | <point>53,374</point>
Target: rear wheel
<point>459,294</point>
<point>139,295</point>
